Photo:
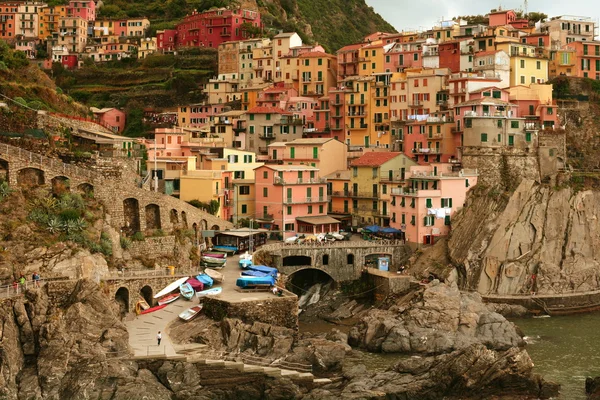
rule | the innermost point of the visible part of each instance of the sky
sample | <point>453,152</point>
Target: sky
<point>404,15</point>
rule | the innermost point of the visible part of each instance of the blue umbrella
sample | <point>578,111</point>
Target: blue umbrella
<point>390,230</point>
<point>372,228</point>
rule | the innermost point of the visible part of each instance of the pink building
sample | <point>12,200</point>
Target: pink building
<point>276,96</point>
<point>402,56</point>
<point>120,27</point>
<point>424,209</point>
<point>85,9</point>
<point>507,17</point>
<point>111,117</point>
<point>293,199</point>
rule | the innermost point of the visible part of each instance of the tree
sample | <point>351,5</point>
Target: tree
<point>536,16</point>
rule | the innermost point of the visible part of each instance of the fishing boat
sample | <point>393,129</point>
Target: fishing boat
<point>226,249</point>
<point>254,281</point>
<point>171,287</point>
<point>214,262</point>
<point>190,313</point>
<point>209,292</point>
<point>187,291</point>
<point>250,272</point>
<point>195,284</point>
<point>215,255</point>
<point>152,309</point>
<point>206,280</point>
<point>215,275</point>
<point>168,298</point>
<point>245,263</point>
<point>264,269</point>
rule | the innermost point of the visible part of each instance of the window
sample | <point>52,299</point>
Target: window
<point>538,64</point>
<point>309,209</point>
<point>350,259</point>
<point>496,94</point>
<point>244,208</point>
<point>384,189</point>
<point>355,171</point>
<point>320,61</point>
<point>245,190</point>
<point>549,111</point>
<point>251,117</point>
<point>289,227</point>
<point>321,209</point>
<point>251,128</point>
<point>468,122</point>
<point>403,219</point>
<point>265,192</point>
<point>266,174</point>
<point>499,123</point>
<point>412,203</point>
<point>499,138</point>
<point>413,220</point>
<point>447,203</point>
<point>484,137</point>
<point>325,259</point>
<point>429,220</point>
<point>528,136</point>
<point>292,152</point>
<point>289,210</point>
<point>374,205</point>
<point>522,79</point>
<point>467,183</point>
<point>428,203</point>
<point>514,124</point>
<point>316,151</point>
<point>416,57</point>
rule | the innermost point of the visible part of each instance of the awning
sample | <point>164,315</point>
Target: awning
<point>320,220</point>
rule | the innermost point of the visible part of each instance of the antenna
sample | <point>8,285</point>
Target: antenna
<point>525,7</point>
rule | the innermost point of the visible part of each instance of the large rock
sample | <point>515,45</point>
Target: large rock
<point>592,388</point>
<point>440,319</point>
<point>474,372</point>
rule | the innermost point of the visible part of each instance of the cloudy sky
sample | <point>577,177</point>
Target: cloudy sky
<point>420,14</point>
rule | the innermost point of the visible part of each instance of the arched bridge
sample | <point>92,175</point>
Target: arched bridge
<point>343,261</point>
<point>131,208</point>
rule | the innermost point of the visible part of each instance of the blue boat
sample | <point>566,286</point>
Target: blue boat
<point>209,292</point>
<point>187,291</point>
<point>245,263</point>
<point>264,269</point>
<point>249,272</point>
<point>226,249</point>
<point>250,281</point>
<point>206,280</point>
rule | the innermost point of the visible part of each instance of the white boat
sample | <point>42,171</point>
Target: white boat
<point>215,275</point>
<point>190,313</point>
<point>209,292</point>
<point>171,287</point>
<point>246,256</point>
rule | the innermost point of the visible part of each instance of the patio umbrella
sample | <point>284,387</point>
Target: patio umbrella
<point>372,228</point>
<point>390,230</point>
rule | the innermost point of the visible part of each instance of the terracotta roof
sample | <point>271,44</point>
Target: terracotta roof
<point>485,101</point>
<point>266,110</point>
<point>487,88</point>
<point>351,47</point>
<point>314,54</point>
<point>374,159</point>
<point>375,46</point>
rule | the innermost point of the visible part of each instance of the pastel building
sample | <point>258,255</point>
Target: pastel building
<point>292,199</point>
<point>423,209</point>
<point>203,185</point>
<point>110,117</point>
<point>338,189</point>
<point>318,72</point>
<point>27,21</point>
<point>85,9</point>
<point>328,155</point>
<point>73,34</point>
<point>147,47</point>
<point>527,64</point>
<point>8,20</point>
<point>49,20</point>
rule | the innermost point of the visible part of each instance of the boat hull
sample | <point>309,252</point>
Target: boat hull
<point>190,313</point>
<point>187,291</point>
<point>171,287</point>
<point>209,292</point>
<point>152,309</point>
<point>168,299</point>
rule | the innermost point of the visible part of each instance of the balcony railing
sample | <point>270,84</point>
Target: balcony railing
<point>363,195</point>
<point>427,151</point>
<point>306,200</point>
<point>299,181</point>
<point>266,136</point>
<point>405,192</point>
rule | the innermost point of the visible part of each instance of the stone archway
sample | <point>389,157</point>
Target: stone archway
<point>60,185</point>
<point>122,299</point>
<point>293,261</point>
<point>86,189</point>
<point>174,217</point>
<point>203,225</point>
<point>153,216</point>
<point>31,177</point>
<point>184,219</point>
<point>4,170</point>
<point>215,228</point>
<point>301,281</point>
<point>131,215</point>
<point>146,292</point>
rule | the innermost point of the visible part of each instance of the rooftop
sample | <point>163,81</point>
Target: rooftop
<point>314,54</point>
<point>318,220</point>
<point>290,167</point>
<point>267,110</point>
<point>485,101</point>
<point>374,159</point>
<point>343,174</point>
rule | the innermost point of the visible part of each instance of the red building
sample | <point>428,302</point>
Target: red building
<point>507,17</point>
<point>166,40</point>
<point>213,27</point>
<point>537,39</point>
<point>8,20</point>
<point>85,9</point>
<point>69,61</point>
<point>450,55</point>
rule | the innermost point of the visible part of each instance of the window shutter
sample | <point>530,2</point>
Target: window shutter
<point>450,203</point>
<point>425,221</point>
<point>429,203</point>
<point>447,220</point>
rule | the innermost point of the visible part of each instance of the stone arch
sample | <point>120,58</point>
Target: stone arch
<point>31,177</point>
<point>184,219</point>
<point>122,298</point>
<point>293,261</point>
<point>371,259</point>
<point>350,259</point>
<point>203,225</point>
<point>131,215</point>
<point>146,292</point>
<point>60,185</point>
<point>325,259</point>
<point>174,216</point>
<point>86,189</point>
<point>4,170</point>
<point>215,228</point>
<point>300,282</point>
<point>152,212</point>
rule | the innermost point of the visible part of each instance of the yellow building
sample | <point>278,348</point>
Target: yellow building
<point>373,176</point>
<point>137,27</point>
<point>202,185</point>
<point>104,28</point>
<point>317,72</point>
<point>338,189</point>
<point>527,64</point>
<point>243,199</point>
<point>49,20</point>
<point>371,59</point>
<point>147,47</point>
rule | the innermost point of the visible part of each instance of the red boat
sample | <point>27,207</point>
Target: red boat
<point>196,284</point>
<point>168,298</point>
<point>215,255</point>
<point>152,309</point>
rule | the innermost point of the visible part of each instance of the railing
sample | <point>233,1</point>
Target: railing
<point>13,290</point>
<point>304,200</point>
<point>42,161</point>
<point>405,191</point>
<point>340,244</point>
<point>299,181</point>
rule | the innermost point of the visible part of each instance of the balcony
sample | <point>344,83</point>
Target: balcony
<point>395,178</point>
<point>427,151</point>
<point>268,217</point>
<point>299,181</point>
<point>266,136</point>
<point>363,195</point>
<point>225,33</point>
<point>415,104</point>
<point>306,200</point>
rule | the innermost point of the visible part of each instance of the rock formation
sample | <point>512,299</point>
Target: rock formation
<point>436,320</point>
<point>539,239</point>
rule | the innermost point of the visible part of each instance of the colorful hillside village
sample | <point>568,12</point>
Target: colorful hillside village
<point>392,131</point>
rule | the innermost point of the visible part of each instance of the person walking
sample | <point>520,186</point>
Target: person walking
<point>36,279</point>
<point>158,337</point>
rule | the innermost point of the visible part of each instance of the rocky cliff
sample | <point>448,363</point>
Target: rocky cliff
<point>537,239</point>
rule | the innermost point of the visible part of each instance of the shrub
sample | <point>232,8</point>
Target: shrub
<point>3,66</point>
<point>159,233</point>
<point>125,243</point>
<point>69,214</point>
<point>138,236</point>
<point>5,190</point>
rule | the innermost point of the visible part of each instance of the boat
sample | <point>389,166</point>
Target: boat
<point>226,249</point>
<point>152,309</point>
<point>246,256</point>
<point>141,306</point>
<point>169,298</point>
<point>191,313</point>
<point>253,281</point>
<point>209,292</point>
<point>264,269</point>
<point>250,272</point>
<point>195,284</point>
<point>215,255</point>
<point>215,275</point>
<point>206,280</point>
<point>187,291</point>
<point>171,287</point>
<point>214,262</point>
<point>245,263</point>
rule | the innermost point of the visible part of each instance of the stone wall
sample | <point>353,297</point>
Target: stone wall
<point>501,166</point>
<point>387,283</point>
<point>163,245</point>
<point>56,123</point>
<point>280,311</point>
